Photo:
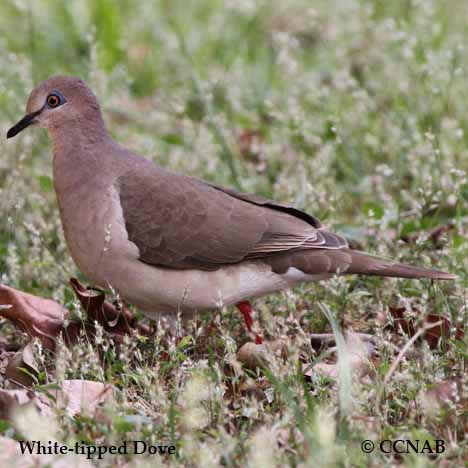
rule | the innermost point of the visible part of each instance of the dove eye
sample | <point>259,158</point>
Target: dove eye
<point>54,100</point>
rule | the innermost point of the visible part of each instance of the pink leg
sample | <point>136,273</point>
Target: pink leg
<point>245,308</point>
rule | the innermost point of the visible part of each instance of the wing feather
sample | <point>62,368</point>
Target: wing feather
<point>181,222</point>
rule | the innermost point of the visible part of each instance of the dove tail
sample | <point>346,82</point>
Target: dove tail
<point>365,264</point>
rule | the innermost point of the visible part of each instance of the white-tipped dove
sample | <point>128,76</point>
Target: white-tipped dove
<point>168,242</point>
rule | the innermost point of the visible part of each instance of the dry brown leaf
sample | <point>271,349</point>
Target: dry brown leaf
<point>404,322</point>
<point>44,318</point>
<point>253,355</point>
<point>118,321</point>
<point>359,354</point>
<point>22,369</point>
<point>35,315</point>
<point>82,396</point>
<point>75,396</point>
<point>320,340</point>
<point>323,369</point>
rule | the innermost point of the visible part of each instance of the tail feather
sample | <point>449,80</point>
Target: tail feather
<point>365,264</point>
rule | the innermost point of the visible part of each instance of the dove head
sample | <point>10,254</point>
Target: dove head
<point>61,102</point>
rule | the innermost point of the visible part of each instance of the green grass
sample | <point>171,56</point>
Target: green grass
<point>361,108</point>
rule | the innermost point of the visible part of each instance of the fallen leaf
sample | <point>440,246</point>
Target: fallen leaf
<point>403,321</point>
<point>359,353</point>
<point>319,340</point>
<point>253,355</point>
<point>74,396</point>
<point>35,315</point>
<point>323,369</point>
<point>82,396</point>
<point>45,318</point>
<point>22,369</point>
<point>119,321</point>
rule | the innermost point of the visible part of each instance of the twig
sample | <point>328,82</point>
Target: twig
<point>327,337</point>
<point>405,349</point>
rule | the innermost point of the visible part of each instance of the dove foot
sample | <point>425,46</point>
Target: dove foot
<point>245,308</point>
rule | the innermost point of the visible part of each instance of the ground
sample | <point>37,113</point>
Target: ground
<point>355,111</point>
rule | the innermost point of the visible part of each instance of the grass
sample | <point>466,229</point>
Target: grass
<point>359,114</point>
